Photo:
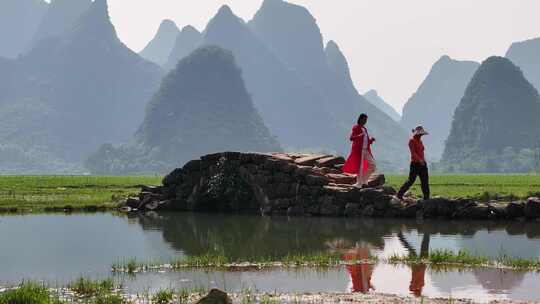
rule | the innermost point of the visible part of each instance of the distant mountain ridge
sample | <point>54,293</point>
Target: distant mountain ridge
<point>313,80</point>
<point>289,107</point>
<point>80,87</point>
<point>201,107</point>
<point>434,103</point>
<point>496,123</point>
<point>525,54</point>
<point>160,47</point>
<point>73,92</point>
<point>292,33</point>
<point>187,41</point>
<point>22,17</point>
<point>373,97</point>
<point>59,20</point>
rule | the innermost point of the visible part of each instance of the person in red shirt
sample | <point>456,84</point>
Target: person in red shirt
<point>418,164</point>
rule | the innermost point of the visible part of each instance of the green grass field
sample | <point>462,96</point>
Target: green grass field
<point>481,187</point>
<point>38,193</point>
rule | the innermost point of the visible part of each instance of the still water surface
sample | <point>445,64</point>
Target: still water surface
<point>60,248</point>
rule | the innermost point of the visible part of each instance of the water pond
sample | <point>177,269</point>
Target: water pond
<point>60,248</point>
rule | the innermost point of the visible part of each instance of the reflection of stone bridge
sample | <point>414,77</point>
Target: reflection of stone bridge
<point>252,236</point>
<point>301,184</point>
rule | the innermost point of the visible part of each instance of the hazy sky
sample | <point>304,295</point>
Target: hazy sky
<point>390,44</point>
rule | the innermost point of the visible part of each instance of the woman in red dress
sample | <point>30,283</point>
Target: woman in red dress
<point>360,161</point>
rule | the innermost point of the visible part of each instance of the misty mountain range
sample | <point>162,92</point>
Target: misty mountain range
<point>159,48</point>
<point>434,103</point>
<point>72,92</point>
<point>311,80</point>
<point>68,86</point>
<point>373,97</point>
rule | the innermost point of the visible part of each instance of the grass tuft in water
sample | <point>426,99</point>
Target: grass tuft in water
<point>518,263</point>
<point>465,258</point>
<point>164,296</point>
<point>108,299</point>
<point>29,293</point>
<point>87,287</point>
<point>321,260</point>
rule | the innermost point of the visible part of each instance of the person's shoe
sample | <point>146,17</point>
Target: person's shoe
<point>358,185</point>
<point>396,201</point>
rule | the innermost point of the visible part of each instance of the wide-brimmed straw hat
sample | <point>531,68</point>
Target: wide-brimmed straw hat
<point>419,131</point>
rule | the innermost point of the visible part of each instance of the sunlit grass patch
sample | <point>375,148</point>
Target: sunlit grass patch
<point>39,193</point>
<point>480,187</point>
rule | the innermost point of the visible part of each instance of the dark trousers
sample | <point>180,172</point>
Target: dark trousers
<point>417,170</point>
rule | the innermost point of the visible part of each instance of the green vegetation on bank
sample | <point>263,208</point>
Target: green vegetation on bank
<point>92,292</point>
<point>480,187</point>
<point>49,193</point>
<point>89,291</point>
<point>41,193</point>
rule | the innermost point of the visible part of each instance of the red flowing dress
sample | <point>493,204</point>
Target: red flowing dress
<point>352,165</point>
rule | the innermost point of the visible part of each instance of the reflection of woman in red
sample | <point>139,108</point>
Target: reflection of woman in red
<point>360,272</point>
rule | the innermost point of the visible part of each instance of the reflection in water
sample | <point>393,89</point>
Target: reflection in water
<point>357,239</point>
<point>88,244</point>
<point>498,281</point>
<point>418,271</point>
<point>276,237</point>
<point>360,272</point>
<point>196,234</point>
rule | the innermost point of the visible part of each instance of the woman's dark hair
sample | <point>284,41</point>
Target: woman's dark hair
<point>362,117</point>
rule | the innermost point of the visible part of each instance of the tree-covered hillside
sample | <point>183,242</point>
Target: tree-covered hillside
<point>201,107</point>
<point>496,123</point>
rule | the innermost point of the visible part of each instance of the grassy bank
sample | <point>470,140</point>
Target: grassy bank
<point>103,292</point>
<point>80,291</point>
<point>38,193</point>
<point>480,187</point>
<point>41,193</point>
